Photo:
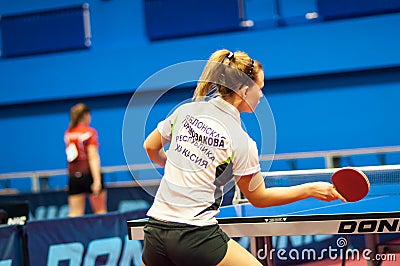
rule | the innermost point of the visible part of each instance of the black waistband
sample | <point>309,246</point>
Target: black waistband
<point>169,225</point>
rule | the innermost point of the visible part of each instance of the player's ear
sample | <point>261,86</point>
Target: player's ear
<point>243,91</point>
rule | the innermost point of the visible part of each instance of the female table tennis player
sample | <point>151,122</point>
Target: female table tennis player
<point>83,157</point>
<point>208,147</point>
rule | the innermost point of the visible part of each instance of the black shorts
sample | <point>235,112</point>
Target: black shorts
<point>81,184</point>
<point>168,243</point>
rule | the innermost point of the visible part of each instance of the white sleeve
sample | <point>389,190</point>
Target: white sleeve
<point>165,129</point>
<point>166,126</point>
<point>245,159</point>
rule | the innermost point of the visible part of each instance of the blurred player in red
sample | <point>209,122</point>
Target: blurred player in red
<point>85,178</point>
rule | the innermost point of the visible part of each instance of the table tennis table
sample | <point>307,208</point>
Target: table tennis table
<point>371,216</point>
<point>378,213</point>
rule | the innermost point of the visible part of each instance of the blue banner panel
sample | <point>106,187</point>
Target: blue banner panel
<point>340,9</point>
<point>88,240</point>
<point>179,18</point>
<point>45,31</point>
<point>11,251</point>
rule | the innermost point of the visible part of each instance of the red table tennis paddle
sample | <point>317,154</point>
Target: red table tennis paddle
<point>351,183</point>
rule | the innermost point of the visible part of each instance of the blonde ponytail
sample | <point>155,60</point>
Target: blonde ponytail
<point>207,79</point>
<point>224,73</point>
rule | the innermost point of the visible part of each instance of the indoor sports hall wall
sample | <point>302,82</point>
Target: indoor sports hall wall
<point>331,84</point>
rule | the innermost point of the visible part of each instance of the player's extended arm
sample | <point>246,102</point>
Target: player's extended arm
<point>153,145</point>
<point>94,164</point>
<point>253,187</point>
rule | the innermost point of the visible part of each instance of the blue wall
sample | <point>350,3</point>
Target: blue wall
<point>331,85</point>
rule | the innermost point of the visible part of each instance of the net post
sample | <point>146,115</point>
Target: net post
<point>35,183</point>
<point>328,161</point>
<point>332,161</point>
<point>381,158</point>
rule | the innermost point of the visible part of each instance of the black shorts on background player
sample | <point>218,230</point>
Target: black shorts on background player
<point>78,184</point>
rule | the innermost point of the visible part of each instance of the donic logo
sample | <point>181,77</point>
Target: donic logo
<point>369,226</point>
<point>117,252</point>
<point>6,262</point>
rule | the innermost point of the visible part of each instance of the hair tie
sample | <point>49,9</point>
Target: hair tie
<point>251,68</point>
<point>228,57</point>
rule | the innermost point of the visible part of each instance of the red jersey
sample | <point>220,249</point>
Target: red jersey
<point>77,140</point>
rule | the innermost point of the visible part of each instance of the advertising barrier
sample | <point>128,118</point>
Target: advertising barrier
<point>87,240</point>
<point>11,246</point>
<point>54,204</point>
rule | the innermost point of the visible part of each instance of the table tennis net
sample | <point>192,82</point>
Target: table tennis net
<point>383,179</point>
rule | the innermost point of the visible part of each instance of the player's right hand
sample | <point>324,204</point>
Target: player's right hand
<point>325,191</point>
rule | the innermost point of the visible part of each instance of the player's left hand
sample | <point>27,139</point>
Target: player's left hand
<point>96,188</point>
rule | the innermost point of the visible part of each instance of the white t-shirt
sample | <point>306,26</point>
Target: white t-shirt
<point>208,147</point>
